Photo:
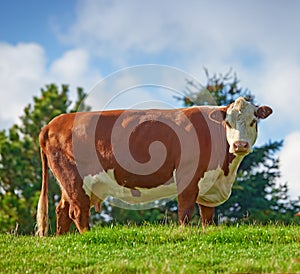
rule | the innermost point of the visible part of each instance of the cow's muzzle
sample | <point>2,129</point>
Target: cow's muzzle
<point>241,147</point>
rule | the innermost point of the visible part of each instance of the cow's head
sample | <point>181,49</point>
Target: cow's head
<point>241,119</point>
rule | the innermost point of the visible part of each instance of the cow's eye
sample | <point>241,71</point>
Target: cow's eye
<point>228,124</point>
<point>253,123</point>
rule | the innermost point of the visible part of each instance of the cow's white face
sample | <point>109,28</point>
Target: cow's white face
<point>241,125</point>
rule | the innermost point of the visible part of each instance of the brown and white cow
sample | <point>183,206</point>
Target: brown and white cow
<point>144,155</point>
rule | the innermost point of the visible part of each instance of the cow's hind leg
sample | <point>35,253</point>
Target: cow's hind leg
<point>75,204</point>
<point>63,221</point>
<point>68,211</point>
<point>79,212</point>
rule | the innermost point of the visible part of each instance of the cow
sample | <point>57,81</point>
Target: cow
<point>139,156</point>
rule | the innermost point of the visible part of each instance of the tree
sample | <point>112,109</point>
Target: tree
<point>20,165</point>
<point>256,193</point>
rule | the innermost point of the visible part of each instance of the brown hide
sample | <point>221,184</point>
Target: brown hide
<point>80,144</point>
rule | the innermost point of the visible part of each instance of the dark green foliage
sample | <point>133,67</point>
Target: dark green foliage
<point>164,212</point>
<point>219,90</point>
<point>20,164</point>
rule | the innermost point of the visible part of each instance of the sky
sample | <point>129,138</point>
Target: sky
<point>82,42</point>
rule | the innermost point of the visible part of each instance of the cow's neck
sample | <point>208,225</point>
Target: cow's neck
<point>235,163</point>
<point>215,186</point>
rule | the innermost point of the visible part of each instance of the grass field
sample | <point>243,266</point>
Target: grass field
<point>156,249</point>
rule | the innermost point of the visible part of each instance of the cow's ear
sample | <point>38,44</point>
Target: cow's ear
<point>263,112</point>
<point>218,115</point>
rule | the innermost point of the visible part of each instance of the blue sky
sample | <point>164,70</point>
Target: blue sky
<point>81,42</point>
<point>33,20</point>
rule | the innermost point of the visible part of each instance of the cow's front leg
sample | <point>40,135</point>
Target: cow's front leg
<point>186,204</point>
<point>207,215</point>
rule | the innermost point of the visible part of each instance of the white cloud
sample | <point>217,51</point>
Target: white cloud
<point>71,65</point>
<point>74,68</point>
<point>214,31</point>
<point>21,72</point>
<point>122,25</point>
<point>138,86</point>
<point>280,86</point>
<point>290,159</point>
<point>24,70</point>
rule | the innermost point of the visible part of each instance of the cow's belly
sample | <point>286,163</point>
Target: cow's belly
<point>215,187</point>
<point>104,185</point>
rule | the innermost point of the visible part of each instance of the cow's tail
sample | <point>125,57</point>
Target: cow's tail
<point>42,209</point>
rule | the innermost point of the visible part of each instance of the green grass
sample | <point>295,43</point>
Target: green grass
<point>156,249</point>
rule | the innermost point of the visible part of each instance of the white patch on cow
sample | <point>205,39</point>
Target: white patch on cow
<point>215,187</point>
<point>241,123</point>
<point>104,185</point>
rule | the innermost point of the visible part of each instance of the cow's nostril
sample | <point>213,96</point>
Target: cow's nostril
<point>241,146</point>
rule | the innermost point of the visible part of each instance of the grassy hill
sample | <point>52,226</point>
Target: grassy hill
<point>156,249</point>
